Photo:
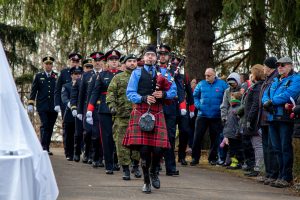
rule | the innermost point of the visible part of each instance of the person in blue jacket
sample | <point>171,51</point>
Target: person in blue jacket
<point>283,88</point>
<point>208,96</point>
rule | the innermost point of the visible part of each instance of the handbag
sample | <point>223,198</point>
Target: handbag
<point>147,121</point>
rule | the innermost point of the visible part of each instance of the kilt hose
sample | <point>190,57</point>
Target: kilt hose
<point>158,137</point>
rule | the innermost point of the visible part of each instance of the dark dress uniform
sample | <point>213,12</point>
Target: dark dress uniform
<point>105,118</point>
<point>43,92</point>
<point>68,121</point>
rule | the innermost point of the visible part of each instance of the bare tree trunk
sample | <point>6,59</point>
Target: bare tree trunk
<point>199,37</point>
<point>258,38</point>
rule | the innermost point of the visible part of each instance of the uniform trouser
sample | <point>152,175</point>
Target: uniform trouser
<point>169,154</point>
<point>87,139</point>
<point>281,137</point>
<point>69,132</point>
<point>96,141</point>
<point>184,133</point>
<point>270,159</point>
<point>47,123</point>
<point>215,128</point>
<point>124,154</point>
<point>107,139</point>
<point>150,157</point>
<point>78,137</point>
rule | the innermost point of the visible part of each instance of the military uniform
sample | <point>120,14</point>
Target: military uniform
<point>42,91</point>
<point>117,101</point>
<point>64,77</point>
<point>68,121</point>
<point>105,118</point>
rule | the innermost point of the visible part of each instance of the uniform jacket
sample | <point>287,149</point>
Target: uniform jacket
<point>208,98</point>
<point>83,91</point>
<point>100,90</point>
<point>116,95</point>
<point>64,77</point>
<point>65,99</point>
<point>279,93</point>
<point>74,94</point>
<point>42,91</point>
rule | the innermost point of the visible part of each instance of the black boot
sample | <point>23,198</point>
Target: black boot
<point>135,169</point>
<point>76,158</point>
<point>126,172</point>
<point>155,180</point>
<point>147,186</point>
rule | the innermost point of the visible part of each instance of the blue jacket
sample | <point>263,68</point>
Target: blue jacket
<point>279,93</point>
<point>208,98</point>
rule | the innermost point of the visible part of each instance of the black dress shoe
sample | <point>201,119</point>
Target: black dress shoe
<point>155,180</point>
<point>101,164</point>
<point>76,158</point>
<point>50,153</point>
<point>194,162</point>
<point>147,188</point>
<point>109,172</point>
<point>90,161</point>
<point>172,173</point>
<point>183,162</point>
<point>116,167</point>
<point>252,174</point>
<point>70,158</point>
<point>95,164</point>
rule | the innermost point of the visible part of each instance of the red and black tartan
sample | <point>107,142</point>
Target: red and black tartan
<point>134,137</point>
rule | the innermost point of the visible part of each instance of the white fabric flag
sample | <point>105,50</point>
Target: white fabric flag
<point>18,137</point>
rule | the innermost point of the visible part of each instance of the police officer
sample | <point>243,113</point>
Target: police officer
<point>65,77</point>
<point>105,118</point>
<point>42,91</point>
<point>170,116</point>
<point>68,118</point>
<point>120,108</point>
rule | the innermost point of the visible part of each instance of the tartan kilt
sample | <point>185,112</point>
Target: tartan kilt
<point>134,137</point>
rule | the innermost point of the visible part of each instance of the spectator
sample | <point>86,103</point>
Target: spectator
<point>250,124</point>
<point>270,160</point>
<point>208,96</point>
<point>285,86</point>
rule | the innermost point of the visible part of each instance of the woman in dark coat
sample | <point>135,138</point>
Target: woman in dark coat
<point>250,124</point>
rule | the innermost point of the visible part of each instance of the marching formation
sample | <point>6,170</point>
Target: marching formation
<point>123,111</point>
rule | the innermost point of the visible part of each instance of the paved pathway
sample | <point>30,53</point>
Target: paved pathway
<point>78,181</point>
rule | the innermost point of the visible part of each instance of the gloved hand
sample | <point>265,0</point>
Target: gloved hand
<point>57,109</point>
<point>183,112</point>
<point>89,117</point>
<point>79,116</point>
<point>113,111</point>
<point>192,114</point>
<point>30,108</point>
<point>69,104</point>
<point>268,106</point>
<point>74,113</point>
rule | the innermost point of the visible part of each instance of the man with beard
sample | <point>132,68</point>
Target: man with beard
<point>121,108</point>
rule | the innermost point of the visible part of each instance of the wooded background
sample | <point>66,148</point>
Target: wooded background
<point>229,35</point>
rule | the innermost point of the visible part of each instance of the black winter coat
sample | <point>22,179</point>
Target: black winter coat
<point>297,119</point>
<point>251,108</point>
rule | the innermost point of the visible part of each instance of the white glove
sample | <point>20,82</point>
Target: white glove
<point>69,104</point>
<point>183,112</point>
<point>89,117</point>
<point>30,108</point>
<point>74,113</point>
<point>57,109</point>
<point>192,114</point>
<point>79,116</point>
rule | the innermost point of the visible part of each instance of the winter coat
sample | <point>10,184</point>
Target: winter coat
<point>231,127</point>
<point>250,123</point>
<point>279,93</point>
<point>208,98</point>
<point>297,119</point>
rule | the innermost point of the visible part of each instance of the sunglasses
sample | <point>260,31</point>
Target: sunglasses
<point>282,64</point>
<point>207,75</point>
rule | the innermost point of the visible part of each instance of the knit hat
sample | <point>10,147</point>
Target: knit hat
<point>271,62</point>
